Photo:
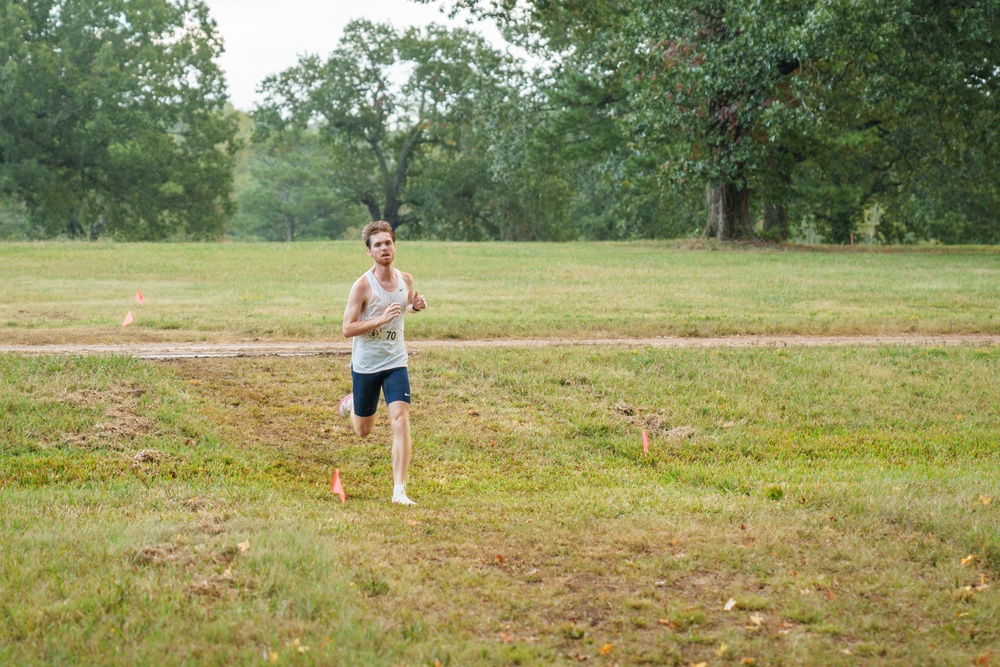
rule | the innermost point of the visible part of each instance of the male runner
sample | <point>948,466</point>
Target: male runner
<point>374,319</point>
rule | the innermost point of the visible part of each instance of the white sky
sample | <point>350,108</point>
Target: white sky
<point>264,37</point>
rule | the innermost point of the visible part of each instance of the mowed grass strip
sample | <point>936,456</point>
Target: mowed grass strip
<point>846,502</point>
<point>60,292</point>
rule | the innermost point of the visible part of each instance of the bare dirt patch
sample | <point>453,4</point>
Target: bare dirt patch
<point>213,586</point>
<point>624,409</point>
<point>119,424</point>
<point>256,348</point>
<point>655,424</point>
<point>160,554</point>
<point>148,456</point>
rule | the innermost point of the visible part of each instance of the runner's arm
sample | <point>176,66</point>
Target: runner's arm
<point>353,326</point>
<point>415,302</point>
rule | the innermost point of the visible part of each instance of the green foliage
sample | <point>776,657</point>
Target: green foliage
<point>956,200</point>
<point>637,119</point>
<point>615,191</point>
<point>14,221</point>
<point>542,158</point>
<point>287,196</point>
<point>766,97</point>
<point>111,118</point>
<point>908,116</point>
<point>375,125</point>
<point>494,180</point>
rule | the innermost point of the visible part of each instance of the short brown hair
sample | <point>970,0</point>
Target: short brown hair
<point>374,227</point>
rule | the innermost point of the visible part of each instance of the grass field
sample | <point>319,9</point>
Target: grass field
<point>797,506</point>
<point>81,292</point>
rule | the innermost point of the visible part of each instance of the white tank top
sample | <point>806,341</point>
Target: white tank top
<point>381,349</point>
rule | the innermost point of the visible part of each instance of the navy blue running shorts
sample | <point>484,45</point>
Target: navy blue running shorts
<point>393,383</point>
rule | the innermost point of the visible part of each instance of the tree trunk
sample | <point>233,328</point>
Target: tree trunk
<point>73,227</point>
<point>779,165</point>
<point>394,185</point>
<point>728,213</point>
<point>372,205</point>
<point>775,222</point>
<point>391,212</point>
<point>94,229</point>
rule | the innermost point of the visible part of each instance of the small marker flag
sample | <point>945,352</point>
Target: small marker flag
<point>337,487</point>
<point>138,297</point>
<point>645,441</point>
<point>128,319</point>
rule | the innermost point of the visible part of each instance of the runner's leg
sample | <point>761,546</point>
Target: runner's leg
<point>402,445</point>
<point>362,425</point>
<point>365,392</point>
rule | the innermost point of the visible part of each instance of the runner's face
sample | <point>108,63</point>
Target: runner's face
<point>381,248</point>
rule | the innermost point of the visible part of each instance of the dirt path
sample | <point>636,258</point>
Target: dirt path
<point>312,349</point>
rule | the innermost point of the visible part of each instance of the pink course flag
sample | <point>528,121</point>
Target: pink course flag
<point>128,319</point>
<point>338,488</point>
<point>138,297</point>
<point>645,442</point>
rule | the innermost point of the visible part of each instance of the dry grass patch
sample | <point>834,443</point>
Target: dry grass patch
<point>161,554</point>
<point>119,420</point>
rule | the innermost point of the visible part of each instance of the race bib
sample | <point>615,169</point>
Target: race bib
<point>383,334</point>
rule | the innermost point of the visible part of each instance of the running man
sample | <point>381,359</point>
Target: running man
<point>374,319</point>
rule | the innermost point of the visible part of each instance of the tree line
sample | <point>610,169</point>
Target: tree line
<point>833,120</point>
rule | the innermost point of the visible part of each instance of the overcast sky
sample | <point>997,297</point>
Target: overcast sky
<point>266,36</point>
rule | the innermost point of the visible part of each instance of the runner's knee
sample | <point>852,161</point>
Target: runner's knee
<point>399,415</point>
<point>363,427</point>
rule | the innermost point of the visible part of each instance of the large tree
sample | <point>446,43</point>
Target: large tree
<point>733,94</point>
<point>700,88</point>
<point>494,176</point>
<point>909,115</point>
<point>111,117</point>
<point>377,100</point>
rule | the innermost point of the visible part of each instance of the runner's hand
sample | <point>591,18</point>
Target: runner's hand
<point>419,303</point>
<point>391,313</point>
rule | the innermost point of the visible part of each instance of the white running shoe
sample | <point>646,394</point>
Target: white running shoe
<point>399,495</point>
<point>401,499</point>
<point>346,405</point>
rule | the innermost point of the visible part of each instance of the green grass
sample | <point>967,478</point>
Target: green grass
<point>832,493</point>
<point>58,292</point>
